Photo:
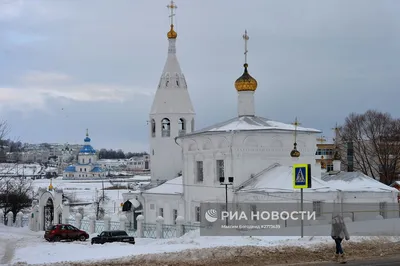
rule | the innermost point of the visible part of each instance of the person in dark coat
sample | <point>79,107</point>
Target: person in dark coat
<point>338,233</point>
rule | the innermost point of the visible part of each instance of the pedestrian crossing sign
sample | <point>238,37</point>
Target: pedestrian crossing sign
<point>302,176</point>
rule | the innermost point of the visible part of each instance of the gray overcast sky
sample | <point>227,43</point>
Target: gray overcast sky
<point>69,65</point>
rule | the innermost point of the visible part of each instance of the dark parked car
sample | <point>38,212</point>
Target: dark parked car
<point>113,236</point>
<point>59,232</point>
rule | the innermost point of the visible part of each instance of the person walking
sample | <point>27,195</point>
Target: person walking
<point>338,233</point>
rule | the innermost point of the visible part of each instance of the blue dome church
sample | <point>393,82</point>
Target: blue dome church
<point>87,166</point>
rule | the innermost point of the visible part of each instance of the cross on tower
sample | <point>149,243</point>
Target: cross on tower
<point>245,38</point>
<point>336,133</point>
<point>321,139</point>
<point>172,6</point>
<point>296,124</point>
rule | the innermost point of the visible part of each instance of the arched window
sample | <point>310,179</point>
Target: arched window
<point>166,127</point>
<point>153,128</point>
<point>192,124</point>
<point>90,160</point>
<point>182,126</point>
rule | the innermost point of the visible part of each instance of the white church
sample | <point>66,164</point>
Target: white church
<point>253,154</point>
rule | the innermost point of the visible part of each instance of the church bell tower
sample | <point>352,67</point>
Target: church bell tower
<point>172,114</point>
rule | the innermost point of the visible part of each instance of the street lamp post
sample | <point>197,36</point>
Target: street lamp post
<point>226,184</point>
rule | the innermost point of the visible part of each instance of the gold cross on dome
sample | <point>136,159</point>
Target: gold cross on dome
<point>245,38</point>
<point>296,124</point>
<point>172,6</point>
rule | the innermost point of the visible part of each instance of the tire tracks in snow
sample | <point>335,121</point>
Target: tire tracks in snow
<point>9,250</point>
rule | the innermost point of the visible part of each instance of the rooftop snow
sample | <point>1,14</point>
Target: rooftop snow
<point>173,186</point>
<point>355,181</point>
<point>280,179</point>
<point>252,123</point>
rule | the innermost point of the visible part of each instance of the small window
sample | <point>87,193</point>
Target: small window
<point>167,80</point>
<point>177,79</point>
<point>220,169</point>
<point>197,213</point>
<point>90,160</point>
<point>174,215</point>
<point>152,206</point>
<point>83,160</point>
<point>153,128</point>
<point>329,167</point>
<point>153,152</point>
<point>317,208</point>
<point>161,212</point>
<point>199,171</point>
<point>192,125</point>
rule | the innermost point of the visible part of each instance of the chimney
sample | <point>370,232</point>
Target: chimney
<point>336,165</point>
<point>336,160</point>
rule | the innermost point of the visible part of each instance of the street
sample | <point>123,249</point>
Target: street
<point>384,261</point>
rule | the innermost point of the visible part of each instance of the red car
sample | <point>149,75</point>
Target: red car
<point>60,232</point>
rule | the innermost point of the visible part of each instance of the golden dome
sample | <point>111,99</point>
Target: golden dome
<point>51,185</point>
<point>172,34</point>
<point>246,82</point>
<point>295,153</point>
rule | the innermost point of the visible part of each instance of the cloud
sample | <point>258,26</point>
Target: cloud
<point>10,9</point>
<point>317,60</point>
<point>36,88</point>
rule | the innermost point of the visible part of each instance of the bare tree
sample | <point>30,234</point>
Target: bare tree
<point>100,200</point>
<point>6,169</point>
<point>375,138</point>
<point>15,195</point>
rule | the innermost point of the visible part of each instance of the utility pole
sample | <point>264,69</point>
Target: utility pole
<point>226,184</point>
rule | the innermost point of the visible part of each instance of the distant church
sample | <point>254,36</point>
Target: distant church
<point>87,166</point>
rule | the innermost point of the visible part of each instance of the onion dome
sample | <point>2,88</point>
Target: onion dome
<point>172,34</point>
<point>246,82</point>
<point>295,153</point>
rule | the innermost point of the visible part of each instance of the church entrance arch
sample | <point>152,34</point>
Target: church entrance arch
<point>133,208</point>
<point>48,214</point>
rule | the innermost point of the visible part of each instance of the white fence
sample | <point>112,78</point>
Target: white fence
<point>141,230</point>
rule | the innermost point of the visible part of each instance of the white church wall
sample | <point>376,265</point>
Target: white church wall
<point>251,153</point>
<point>87,158</point>
<point>168,203</point>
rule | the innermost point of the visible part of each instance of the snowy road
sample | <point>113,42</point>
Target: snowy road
<point>7,250</point>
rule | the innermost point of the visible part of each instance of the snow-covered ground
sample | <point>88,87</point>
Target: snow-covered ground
<point>22,245</point>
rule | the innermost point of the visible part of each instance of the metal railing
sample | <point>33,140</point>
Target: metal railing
<point>169,231</point>
<point>25,221</point>
<point>190,227</point>
<point>149,230</point>
<point>99,226</point>
<point>85,224</point>
<point>114,225</point>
